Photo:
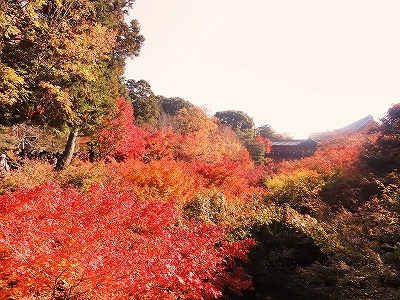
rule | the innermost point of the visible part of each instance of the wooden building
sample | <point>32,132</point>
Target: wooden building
<point>292,148</point>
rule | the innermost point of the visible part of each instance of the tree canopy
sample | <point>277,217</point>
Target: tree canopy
<point>382,156</point>
<point>61,61</point>
<point>237,120</point>
<point>145,106</point>
<point>243,125</point>
<point>172,105</point>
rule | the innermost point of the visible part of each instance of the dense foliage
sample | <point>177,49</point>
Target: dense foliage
<point>163,201</point>
<point>181,204</point>
<point>106,244</point>
<point>249,136</point>
<point>61,63</point>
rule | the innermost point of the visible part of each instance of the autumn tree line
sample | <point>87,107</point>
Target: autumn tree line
<point>162,200</point>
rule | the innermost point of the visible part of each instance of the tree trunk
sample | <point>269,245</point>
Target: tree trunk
<point>68,153</point>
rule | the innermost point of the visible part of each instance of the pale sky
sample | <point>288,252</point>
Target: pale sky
<point>301,66</point>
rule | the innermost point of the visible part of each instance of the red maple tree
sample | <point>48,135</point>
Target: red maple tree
<point>105,244</point>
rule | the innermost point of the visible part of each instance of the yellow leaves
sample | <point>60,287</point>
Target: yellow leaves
<point>202,139</point>
<point>343,266</point>
<point>7,25</point>
<point>82,70</point>
<point>40,24</point>
<point>10,75</point>
<point>61,96</point>
<point>88,43</point>
<point>321,232</point>
<point>32,8</point>
<point>83,48</point>
<point>297,185</point>
<point>51,88</point>
<point>194,119</point>
<point>10,85</point>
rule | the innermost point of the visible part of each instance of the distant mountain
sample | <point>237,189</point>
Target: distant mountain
<point>359,126</point>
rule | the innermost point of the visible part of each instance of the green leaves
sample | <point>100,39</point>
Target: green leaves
<point>145,107</point>
<point>237,120</point>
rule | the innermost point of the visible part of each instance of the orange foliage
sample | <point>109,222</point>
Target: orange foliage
<point>194,119</point>
<point>338,156</point>
<point>231,178</point>
<point>201,139</point>
<point>32,174</point>
<point>159,179</point>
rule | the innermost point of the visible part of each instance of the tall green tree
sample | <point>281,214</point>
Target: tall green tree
<point>145,106</point>
<point>237,120</point>
<point>255,147</point>
<point>171,106</point>
<point>267,132</point>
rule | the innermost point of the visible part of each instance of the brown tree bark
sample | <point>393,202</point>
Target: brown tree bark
<point>68,153</point>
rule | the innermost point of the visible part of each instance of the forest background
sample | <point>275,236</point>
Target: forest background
<point>152,198</point>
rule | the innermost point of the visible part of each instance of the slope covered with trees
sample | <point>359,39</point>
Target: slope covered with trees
<point>161,200</point>
<point>324,227</point>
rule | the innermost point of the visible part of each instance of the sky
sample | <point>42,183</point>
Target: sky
<point>300,66</point>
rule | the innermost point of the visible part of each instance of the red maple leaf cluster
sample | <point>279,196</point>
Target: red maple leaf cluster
<point>104,244</point>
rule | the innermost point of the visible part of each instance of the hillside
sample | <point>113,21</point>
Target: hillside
<point>319,228</point>
<point>118,193</point>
